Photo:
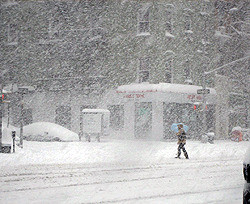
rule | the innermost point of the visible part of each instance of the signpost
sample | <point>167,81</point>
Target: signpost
<point>13,134</point>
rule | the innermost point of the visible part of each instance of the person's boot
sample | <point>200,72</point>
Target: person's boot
<point>186,155</point>
<point>178,155</point>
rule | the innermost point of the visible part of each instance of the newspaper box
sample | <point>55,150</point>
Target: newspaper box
<point>95,123</point>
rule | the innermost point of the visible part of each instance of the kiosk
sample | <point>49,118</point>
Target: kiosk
<point>95,123</point>
<point>148,110</point>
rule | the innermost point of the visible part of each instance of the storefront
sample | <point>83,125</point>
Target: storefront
<point>148,110</point>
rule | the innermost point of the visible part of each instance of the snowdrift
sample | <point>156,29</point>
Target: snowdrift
<point>46,132</point>
<point>122,152</point>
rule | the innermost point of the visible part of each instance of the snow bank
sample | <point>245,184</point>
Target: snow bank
<point>120,152</point>
<point>45,131</point>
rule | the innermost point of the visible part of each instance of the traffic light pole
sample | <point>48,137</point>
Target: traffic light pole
<point>204,101</point>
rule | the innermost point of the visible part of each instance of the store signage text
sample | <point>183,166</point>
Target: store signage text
<point>194,97</point>
<point>134,96</point>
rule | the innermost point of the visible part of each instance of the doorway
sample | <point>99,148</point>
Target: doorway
<point>143,119</point>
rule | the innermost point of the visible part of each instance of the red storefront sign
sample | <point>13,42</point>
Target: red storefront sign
<point>194,97</point>
<point>134,96</point>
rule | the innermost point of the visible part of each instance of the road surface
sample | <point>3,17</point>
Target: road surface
<point>175,181</point>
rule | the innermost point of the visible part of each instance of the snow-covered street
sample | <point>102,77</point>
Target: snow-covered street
<point>123,171</point>
<point>124,102</point>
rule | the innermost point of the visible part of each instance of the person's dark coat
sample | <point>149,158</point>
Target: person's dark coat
<point>181,136</point>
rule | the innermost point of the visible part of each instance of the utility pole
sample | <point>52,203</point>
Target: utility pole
<point>22,91</point>
<point>21,121</point>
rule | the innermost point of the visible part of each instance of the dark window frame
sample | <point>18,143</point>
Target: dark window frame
<point>13,34</point>
<point>144,67</point>
<point>144,21</point>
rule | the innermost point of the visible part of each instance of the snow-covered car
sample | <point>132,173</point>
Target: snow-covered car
<point>246,173</point>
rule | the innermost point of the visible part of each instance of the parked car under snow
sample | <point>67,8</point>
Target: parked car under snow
<point>47,132</point>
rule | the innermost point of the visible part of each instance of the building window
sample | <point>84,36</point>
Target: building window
<point>169,21</point>
<point>187,72</point>
<point>187,23</point>
<point>27,116</point>
<point>63,116</point>
<point>187,69</point>
<point>9,2</point>
<point>116,116</point>
<point>144,70</point>
<point>143,25</point>
<point>54,29</point>
<point>13,34</point>
<point>97,32</point>
<point>168,68</point>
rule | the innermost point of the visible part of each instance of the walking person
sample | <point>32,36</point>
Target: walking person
<point>181,141</point>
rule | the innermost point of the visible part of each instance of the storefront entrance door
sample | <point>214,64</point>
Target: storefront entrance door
<point>143,119</point>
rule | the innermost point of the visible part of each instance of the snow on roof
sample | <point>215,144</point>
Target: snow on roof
<point>169,5</point>
<point>161,87</point>
<point>95,111</point>
<point>189,31</point>
<point>203,13</point>
<point>234,9</point>
<point>30,88</point>
<point>167,34</point>
<point>188,9</point>
<point>219,34</point>
<point>143,34</point>
<point>169,52</point>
